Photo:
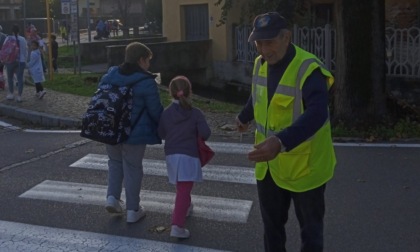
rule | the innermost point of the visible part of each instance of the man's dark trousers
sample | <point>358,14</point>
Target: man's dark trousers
<point>309,209</point>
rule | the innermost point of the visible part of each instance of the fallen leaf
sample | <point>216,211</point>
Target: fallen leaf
<point>158,229</point>
<point>228,127</point>
<point>30,151</point>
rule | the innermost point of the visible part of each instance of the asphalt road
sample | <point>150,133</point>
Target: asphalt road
<point>372,202</point>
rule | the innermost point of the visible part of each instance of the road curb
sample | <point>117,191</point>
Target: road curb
<point>38,118</point>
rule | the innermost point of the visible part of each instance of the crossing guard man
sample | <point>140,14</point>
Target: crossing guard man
<point>294,154</point>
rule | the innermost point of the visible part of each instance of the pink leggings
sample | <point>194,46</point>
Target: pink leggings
<point>182,202</point>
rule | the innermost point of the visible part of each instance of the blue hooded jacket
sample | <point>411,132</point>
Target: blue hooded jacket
<point>146,101</point>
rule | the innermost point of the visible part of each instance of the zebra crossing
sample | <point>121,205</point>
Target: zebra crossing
<point>211,208</point>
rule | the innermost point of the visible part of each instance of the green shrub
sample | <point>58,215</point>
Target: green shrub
<point>86,85</point>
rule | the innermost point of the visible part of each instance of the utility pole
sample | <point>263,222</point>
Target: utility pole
<point>88,18</point>
<point>24,14</point>
<point>50,67</point>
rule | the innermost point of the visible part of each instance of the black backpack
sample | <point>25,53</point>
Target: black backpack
<point>108,116</point>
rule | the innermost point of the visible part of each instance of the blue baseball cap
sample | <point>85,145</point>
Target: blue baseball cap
<point>267,26</point>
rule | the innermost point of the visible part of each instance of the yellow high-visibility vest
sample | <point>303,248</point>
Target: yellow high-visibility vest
<point>310,164</point>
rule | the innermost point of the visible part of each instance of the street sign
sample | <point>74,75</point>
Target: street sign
<point>65,7</point>
<point>74,31</point>
<point>74,5</point>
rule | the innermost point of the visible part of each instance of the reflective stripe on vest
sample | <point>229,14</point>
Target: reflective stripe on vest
<point>295,92</point>
<point>311,163</point>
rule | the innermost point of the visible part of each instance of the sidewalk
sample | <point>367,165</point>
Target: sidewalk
<point>64,111</point>
<point>55,110</point>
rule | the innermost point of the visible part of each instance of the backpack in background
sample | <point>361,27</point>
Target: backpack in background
<point>9,52</point>
<point>108,116</point>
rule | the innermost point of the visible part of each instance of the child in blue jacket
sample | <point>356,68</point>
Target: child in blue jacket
<point>35,68</point>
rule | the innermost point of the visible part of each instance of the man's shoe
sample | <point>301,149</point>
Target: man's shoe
<point>19,98</point>
<point>113,205</point>
<point>10,96</point>
<point>41,94</point>
<point>134,216</point>
<point>178,232</point>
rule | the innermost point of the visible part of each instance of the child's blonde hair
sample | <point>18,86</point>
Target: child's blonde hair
<point>180,89</point>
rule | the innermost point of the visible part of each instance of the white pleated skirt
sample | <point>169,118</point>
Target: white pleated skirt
<point>183,168</point>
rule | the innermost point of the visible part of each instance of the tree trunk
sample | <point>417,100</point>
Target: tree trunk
<point>124,10</point>
<point>378,106</point>
<point>360,73</point>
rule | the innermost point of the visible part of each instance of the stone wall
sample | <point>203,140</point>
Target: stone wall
<point>402,13</point>
<point>96,52</point>
<point>234,73</point>
<point>190,58</point>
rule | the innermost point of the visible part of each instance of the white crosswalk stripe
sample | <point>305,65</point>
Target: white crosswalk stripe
<point>232,174</point>
<point>222,147</point>
<point>19,237</point>
<point>219,209</point>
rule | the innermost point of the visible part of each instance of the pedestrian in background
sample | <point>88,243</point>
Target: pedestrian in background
<point>35,69</point>
<point>17,68</point>
<point>34,36</point>
<point>43,49</point>
<point>100,29</point>
<point>180,125</point>
<point>28,31</point>
<point>125,163</point>
<point>63,32</point>
<point>2,39</point>
<point>115,27</point>
<point>294,155</point>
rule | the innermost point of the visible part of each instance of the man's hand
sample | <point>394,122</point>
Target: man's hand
<point>266,150</point>
<point>241,127</point>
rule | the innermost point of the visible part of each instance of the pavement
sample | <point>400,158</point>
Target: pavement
<point>64,111</point>
<point>55,110</point>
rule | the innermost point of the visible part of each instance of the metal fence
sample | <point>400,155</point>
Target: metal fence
<point>403,52</point>
<point>402,47</point>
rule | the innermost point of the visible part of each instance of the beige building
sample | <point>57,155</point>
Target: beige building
<point>10,9</point>
<point>187,20</point>
<point>199,19</point>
